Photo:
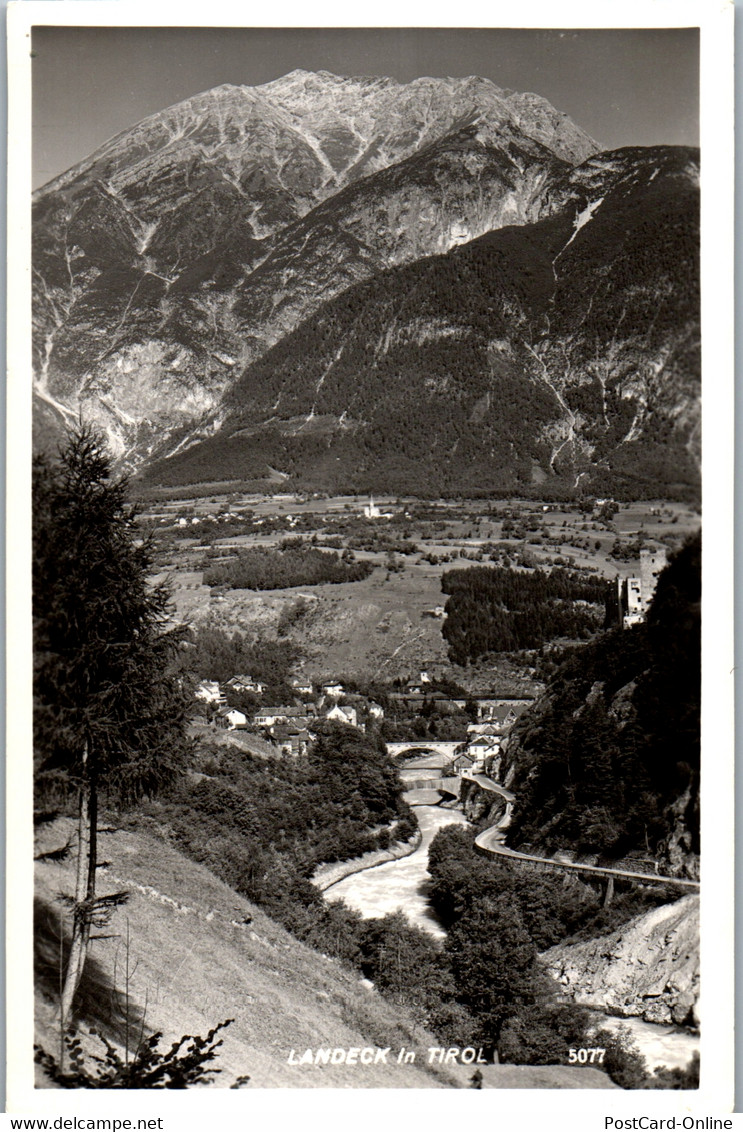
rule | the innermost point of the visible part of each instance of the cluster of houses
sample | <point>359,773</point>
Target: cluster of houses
<point>287,726</point>
<point>489,707</point>
<point>481,752</point>
<point>196,520</point>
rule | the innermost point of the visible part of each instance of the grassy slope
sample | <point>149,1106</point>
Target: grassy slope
<point>354,628</point>
<point>198,963</point>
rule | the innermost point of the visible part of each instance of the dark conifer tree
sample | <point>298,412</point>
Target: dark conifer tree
<point>109,708</point>
<point>494,963</point>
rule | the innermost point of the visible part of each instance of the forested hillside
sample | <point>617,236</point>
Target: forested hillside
<point>542,350</point>
<point>608,761</point>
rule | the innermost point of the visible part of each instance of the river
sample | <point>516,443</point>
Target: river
<point>401,886</point>
<point>659,1045</point>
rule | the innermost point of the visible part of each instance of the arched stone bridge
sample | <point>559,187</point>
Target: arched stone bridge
<point>414,748</point>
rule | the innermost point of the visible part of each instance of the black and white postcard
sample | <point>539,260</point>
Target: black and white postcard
<point>369,694</point>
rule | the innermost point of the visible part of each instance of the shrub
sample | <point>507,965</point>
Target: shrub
<point>150,1068</point>
<point>687,1078</point>
<point>622,1061</point>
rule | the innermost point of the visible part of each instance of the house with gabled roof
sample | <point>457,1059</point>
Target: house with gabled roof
<point>502,713</point>
<point>419,687</point>
<point>291,739</point>
<point>481,748</point>
<point>463,761</point>
<point>488,729</point>
<point>231,718</point>
<point>343,713</point>
<point>247,684</point>
<point>284,713</point>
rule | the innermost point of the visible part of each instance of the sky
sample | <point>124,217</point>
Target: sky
<point>623,87</point>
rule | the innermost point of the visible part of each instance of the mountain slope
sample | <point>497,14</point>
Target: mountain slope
<point>607,760</point>
<point>471,181</point>
<point>184,247</point>
<point>546,351</point>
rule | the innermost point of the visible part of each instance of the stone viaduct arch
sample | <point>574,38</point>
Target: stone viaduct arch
<point>414,748</point>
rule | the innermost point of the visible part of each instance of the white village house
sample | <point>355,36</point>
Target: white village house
<point>209,692</point>
<point>343,714</point>
<point>333,690</point>
<point>271,715</point>
<point>481,748</point>
<point>231,718</point>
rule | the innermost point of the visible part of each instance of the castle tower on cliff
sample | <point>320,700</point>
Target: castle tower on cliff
<point>636,593</point>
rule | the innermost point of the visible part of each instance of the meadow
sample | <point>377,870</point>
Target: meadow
<point>388,624</point>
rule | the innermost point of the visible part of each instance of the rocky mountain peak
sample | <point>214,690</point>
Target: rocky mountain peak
<point>376,109</point>
<point>299,84</point>
<point>321,129</point>
<point>174,257</point>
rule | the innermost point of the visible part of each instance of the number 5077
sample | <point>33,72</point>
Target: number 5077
<point>586,1056</point>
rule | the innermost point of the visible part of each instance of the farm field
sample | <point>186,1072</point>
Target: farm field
<point>388,624</point>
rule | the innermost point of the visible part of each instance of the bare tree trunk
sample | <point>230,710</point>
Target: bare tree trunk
<point>85,883</point>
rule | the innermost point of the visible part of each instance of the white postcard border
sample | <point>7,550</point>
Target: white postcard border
<point>438,1108</point>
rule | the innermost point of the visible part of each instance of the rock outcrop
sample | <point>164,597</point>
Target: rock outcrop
<point>648,968</point>
<point>480,806</point>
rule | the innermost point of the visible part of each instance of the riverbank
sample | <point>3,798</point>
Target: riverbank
<point>646,968</point>
<point>396,879</point>
<point>325,876</point>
